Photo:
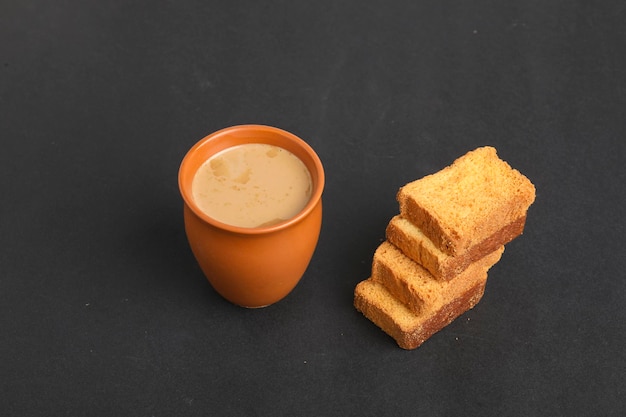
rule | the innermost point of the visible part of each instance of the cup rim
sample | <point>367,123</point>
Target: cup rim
<point>184,172</point>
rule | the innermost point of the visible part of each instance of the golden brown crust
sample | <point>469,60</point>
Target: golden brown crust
<point>374,301</point>
<point>429,225</point>
<point>416,245</point>
<point>415,287</point>
<point>468,201</point>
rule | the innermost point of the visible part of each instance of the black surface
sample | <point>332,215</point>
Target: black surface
<point>103,310</point>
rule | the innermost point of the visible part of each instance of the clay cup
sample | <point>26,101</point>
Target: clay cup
<point>252,267</point>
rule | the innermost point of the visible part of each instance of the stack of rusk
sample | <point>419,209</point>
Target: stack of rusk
<point>451,229</point>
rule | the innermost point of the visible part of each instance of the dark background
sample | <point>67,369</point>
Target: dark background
<point>103,310</point>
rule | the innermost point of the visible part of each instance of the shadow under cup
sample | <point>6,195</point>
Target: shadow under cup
<point>252,267</point>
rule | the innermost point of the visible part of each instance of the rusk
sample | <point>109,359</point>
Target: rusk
<point>415,287</point>
<point>417,246</point>
<point>468,202</point>
<point>451,230</point>
<point>408,329</point>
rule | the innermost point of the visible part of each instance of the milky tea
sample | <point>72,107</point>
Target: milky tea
<point>252,185</point>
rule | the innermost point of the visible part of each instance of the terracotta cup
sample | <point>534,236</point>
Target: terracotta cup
<point>252,267</point>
